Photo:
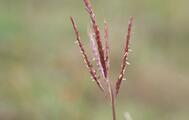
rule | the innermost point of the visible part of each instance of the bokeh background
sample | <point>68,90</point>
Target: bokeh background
<point>43,77</point>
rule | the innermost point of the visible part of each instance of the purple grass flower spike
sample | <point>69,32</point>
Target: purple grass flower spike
<point>101,56</point>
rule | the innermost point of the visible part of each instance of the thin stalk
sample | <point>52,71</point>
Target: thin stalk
<point>113,105</point>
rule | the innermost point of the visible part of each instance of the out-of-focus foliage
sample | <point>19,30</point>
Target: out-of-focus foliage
<point>42,75</point>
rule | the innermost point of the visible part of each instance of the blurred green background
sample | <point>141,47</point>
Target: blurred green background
<point>43,77</point>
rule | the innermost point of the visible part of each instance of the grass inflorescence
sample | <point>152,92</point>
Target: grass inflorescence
<point>101,56</point>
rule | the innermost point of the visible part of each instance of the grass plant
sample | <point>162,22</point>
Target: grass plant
<point>101,52</point>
